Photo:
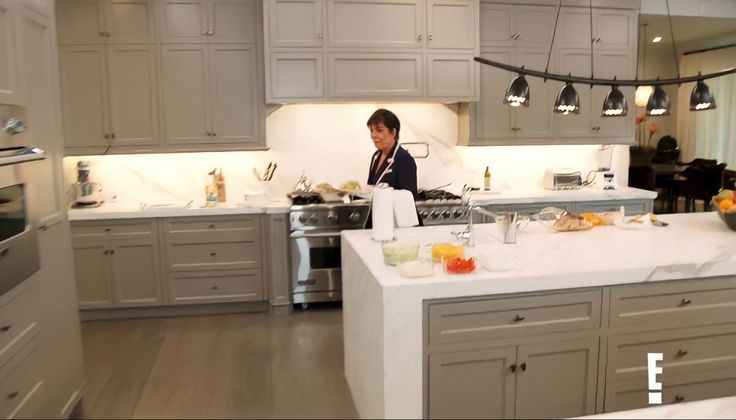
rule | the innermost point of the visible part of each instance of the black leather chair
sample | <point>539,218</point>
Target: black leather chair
<point>729,179</point>
<point>700,183</point>
<point>642,177</point>
<point>667,151</point>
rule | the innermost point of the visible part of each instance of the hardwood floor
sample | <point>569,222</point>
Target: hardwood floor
<point>224,366</point>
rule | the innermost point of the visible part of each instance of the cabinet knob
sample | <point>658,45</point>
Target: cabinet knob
<point>112,252</point>
<point>101,33</point>
<point>43,228</point>
<point>429,37</point>
<point>512,368</point>
<point>679,398</point>
<point>685,301</point>
<point>107,229</point>
<point>212,226</point>
<point>107,34</point>
<point>214,134</point>
<point>596,128</point>
<point>319,35</point>
<point>205,33</point>
<point>681,353</point>
<point>106,136</point>
<point>212,254</point>
<point>12,395</point>
<point>112,136</point>
<point>215,287</point>
<point>519,318</point>
<point>5,328</point>
<point>419,37</point>
<point>523,367</point>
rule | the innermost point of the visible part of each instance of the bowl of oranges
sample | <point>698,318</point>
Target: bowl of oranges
<point>725,204</point>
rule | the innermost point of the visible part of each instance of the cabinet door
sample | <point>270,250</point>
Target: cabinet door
<point>183,21</point>
<point>375,23</point>
<point>185,74</point>
<point>573,28</point>
<point>80,22</point>
<point>615,29</point>
<point>576,62</point>
<point>135,268</point>
<point>130,21</point>
<point>234,94</point>
<point>534,26</point>
<point>608,64</point>
<point>451,76</point>
<point>557,380</point>
<point>452,24</point>
<point>232,21</point>
<point>295,23</point>
<point>472,384</point>
<point>133,95</point>
<point>497,24</point>
<point>91,265</point>
<point>84,95</point>
<point>536,120</point>
<point>296,75</point>
<point>9,77</point>
<point>494,119</point>
<point>375,75</point>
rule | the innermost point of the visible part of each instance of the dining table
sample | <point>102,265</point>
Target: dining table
<point>666,175</point>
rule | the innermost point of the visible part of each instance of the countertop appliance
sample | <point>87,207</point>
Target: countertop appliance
<point>316,273</point>
<point>86,192</point>
<point>563,179</point>
<point>19,257</point>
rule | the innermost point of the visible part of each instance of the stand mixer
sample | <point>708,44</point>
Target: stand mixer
<point>86,193</point>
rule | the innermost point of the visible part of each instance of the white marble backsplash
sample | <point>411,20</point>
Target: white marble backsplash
<point>331,143</point>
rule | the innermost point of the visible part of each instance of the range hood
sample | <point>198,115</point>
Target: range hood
<point>20,154</point>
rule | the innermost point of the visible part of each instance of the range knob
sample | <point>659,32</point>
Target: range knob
<point>313,219</point>
<point>303,218</point>
<point>458,213</point>
<point>423,214</point>
<point>332,217</point>
<point>446,214</point>
<point>434,214</point>
<point>354,216</point>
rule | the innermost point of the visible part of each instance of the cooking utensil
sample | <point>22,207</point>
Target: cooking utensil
<point>273,169</point>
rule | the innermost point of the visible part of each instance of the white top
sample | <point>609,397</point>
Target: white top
<point>559,196</point>
<point>716,408</point>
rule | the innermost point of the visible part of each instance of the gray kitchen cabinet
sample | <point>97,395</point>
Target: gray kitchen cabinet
<point>207,21</point>
<point>116,264</point>
<point>472,384</point>
<point>442,30</point>
<point>84,22</point>
<point>9,74</point>
<point>295,23</point>
<point>278,255</point>
<point>508,25</point>
<point>631,207</point>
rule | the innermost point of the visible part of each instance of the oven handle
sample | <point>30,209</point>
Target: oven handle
<point>315,235</point>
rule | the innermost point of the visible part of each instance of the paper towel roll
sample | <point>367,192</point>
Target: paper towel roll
<point>383,213</point>
<point>405,210</point>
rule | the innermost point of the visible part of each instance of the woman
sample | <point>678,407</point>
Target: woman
<point>391,164</point>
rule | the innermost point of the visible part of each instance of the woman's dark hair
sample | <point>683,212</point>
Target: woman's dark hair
<point>388,118</point>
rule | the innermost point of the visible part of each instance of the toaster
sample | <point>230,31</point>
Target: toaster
<point>563,180</point>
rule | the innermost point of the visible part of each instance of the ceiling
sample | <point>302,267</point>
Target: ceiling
<point>687,29</point>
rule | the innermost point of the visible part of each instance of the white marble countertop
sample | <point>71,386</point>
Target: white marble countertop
<point>716,408</point>
<point>531,196</point>
<point>382,311</point>
<point>110,211</point>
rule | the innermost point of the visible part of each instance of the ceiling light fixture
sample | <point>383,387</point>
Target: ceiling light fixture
<point>615,104</point>
<point>657,39</point>
<point>517,93</point>
<point>659,105</point>
<point>701,99</point>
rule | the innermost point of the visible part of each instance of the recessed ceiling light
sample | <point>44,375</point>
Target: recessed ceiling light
<point>657,39</point>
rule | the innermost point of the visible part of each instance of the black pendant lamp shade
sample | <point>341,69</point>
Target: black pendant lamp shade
<point>567,100</point>
<point>659,103</point>
<point>701,98</point>
<point>615,104</point>
<point>517,93</point>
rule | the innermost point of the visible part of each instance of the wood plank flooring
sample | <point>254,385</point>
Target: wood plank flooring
<point>225,366</point>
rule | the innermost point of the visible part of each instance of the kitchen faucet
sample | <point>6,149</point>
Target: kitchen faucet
<point>510,222</point>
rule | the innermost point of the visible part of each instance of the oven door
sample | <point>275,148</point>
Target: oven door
<point>18,247</point>
<point>316,266</point>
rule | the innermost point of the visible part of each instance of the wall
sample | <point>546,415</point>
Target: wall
<point>330,143</point>
<point>660,63</point>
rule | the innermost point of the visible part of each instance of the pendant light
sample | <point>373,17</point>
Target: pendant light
<point>517,93</point>
<point>659,103</point>
<point>615,104</point>
<point>701,98</point>
<point>642,95</point>
<point>567,100</point>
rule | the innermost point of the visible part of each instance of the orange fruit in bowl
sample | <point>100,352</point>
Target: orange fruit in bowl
<point>725,204</point>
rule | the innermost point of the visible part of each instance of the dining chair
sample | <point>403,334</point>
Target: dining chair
<point>699,183</point>
<point>729,179</point>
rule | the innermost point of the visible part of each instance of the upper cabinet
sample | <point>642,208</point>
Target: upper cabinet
<point>521,35</point>
<point>206,21</point>
<point>90,22</point>
<point>9,77</point>
<point>339,50</point>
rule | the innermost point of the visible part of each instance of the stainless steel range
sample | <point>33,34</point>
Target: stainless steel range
<point>316,273</point>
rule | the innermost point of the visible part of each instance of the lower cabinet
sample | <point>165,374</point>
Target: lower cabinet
<point>211,287</point>
<point>631,207</point>
<point>549,380</point>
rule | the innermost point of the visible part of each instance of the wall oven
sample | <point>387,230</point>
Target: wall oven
<point>18,244</point>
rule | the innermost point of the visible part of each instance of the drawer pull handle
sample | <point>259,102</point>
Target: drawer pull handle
<point>513,368</point>
<point>679,398</point>
<point>519,318</point>
<point>12,395</point>
<point>308,282</point>
<point>107,229</point>
<point>212,254</point>
<point>685,301</point>
<point>5,328</point>
<point>215,288</point>
<point>523,367</point>
<point>4,252</point>
<point>212,226</point>
<point>681,353</point>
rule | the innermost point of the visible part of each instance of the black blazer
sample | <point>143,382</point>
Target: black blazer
<point>401,176</point>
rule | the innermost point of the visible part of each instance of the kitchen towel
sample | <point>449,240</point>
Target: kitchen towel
<point>405,210</point>
<point>383,213</point>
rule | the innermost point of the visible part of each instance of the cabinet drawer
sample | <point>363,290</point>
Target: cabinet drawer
<point>477,319</point>
<point>629,399</point>
<point>96,231</point>
<point>19,379</point>
<point>17,325</point>
<point>213,256</point>
<point>209,230</point>
<point>630,207</point>
<point>685,352</point>
<point>679,303</point>
<point>223,286</point>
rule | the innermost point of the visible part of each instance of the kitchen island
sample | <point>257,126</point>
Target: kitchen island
<point>392,325</point>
